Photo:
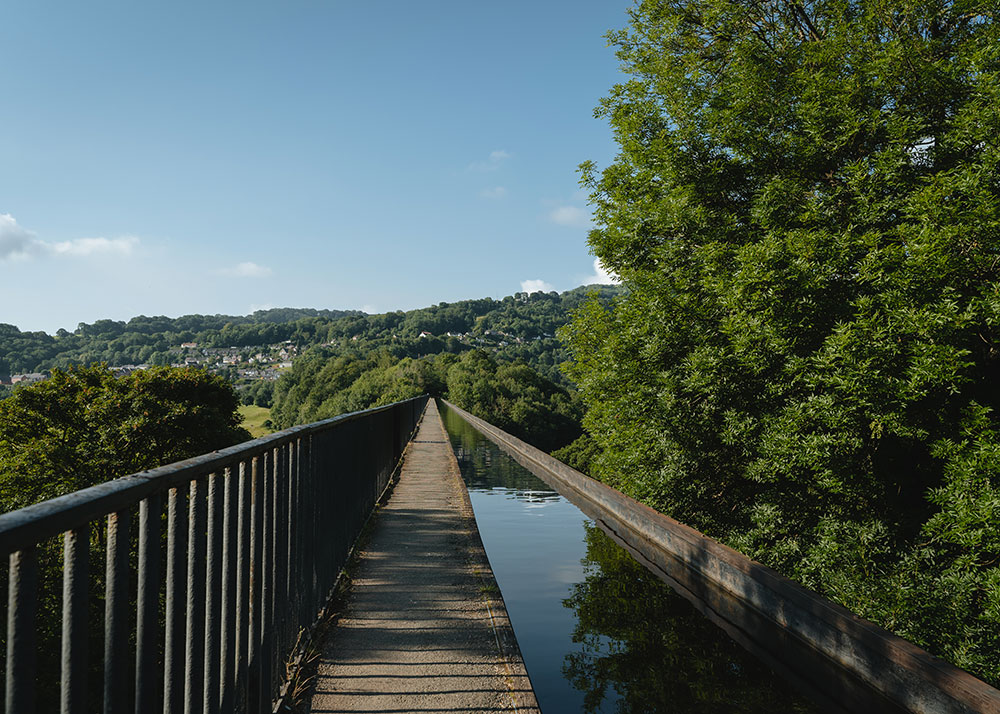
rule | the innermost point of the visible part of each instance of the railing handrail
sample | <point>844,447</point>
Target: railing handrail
<point>31,524</point>
<point>253,538</point>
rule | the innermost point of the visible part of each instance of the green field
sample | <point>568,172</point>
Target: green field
<point>254,418</point>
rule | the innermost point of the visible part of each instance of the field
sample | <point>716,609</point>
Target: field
<point>254,418</point>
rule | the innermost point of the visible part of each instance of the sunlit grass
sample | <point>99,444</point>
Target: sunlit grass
<point>254,418</point>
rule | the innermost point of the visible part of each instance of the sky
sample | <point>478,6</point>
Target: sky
<point>178,158</point>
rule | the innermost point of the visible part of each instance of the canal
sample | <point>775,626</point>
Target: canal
<point>598,632</point>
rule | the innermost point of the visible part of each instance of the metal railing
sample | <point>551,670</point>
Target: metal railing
<point>224,559</point>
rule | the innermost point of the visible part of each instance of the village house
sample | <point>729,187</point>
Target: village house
<point>28,378</point>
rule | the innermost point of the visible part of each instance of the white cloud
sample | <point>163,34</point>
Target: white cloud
<point>601,276</point>
<point>494,193</point>
<point>15,241</point>
<point>536,286</point>
<point>246,269</point>
<point>18,242</point>
<point>570,216</point>
<point>495,160</point>
<point>93,246</point>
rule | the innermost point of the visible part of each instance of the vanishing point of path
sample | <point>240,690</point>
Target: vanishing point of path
<point>424,628</point>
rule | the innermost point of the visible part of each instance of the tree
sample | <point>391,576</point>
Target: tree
<point>84,426</point>
<point>806,211</point>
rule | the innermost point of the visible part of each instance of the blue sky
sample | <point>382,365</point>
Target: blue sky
<point>222,157</point>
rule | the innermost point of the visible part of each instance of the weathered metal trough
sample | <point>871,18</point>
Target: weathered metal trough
<point>843,662</point>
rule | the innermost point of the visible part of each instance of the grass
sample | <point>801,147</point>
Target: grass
<point>253,419</point>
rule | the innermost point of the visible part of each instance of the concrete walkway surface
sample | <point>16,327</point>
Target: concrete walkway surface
<point>424,628</point>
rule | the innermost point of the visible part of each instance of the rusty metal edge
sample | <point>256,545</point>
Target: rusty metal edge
<point>895,668</point>
<point>26,526</point>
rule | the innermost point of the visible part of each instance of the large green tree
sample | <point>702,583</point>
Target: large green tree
<point>84,426</point>
<point>806,211</point>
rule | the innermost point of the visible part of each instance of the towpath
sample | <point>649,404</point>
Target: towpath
<point>424,628</point>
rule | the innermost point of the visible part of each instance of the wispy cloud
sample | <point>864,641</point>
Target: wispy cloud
<point>536,286</point>
<point>17,242</point>
<point>92,246</point>
<point>573,216</point>
<point>246,269</point>
<point>601,276</point>
<point>495,193</point>
<point>494,161</point>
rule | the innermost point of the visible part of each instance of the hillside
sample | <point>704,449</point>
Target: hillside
<point>518,327</point>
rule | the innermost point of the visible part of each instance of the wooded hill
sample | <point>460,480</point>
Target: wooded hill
<point>519,326</point>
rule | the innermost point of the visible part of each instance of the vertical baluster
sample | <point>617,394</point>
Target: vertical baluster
<point>292,593</point>
<point>213,595</point>
<point>243,547</point>
<point>256,584</point>
<point>116,614</point>
<point>322,553</point>
<point>298,474</point>
<point>76,559</point>
<point>279,607</point>
<point>147,604</point>
<point>22,601</point>
<point>194,650</point>
<point>173,665</point>
<point>266,583</point>
<point>227,662</point>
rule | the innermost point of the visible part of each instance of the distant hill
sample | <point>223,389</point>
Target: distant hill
<point>520,326</point>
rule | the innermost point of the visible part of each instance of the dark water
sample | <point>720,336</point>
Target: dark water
<point>598,632</point>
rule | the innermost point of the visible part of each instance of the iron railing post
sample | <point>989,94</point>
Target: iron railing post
<point>147,605</point>
<point>116,606</point>
<point>255,537</point>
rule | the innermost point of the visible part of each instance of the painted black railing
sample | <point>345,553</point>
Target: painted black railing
<point>234,555</point>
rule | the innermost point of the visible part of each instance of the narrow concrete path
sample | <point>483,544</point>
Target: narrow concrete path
<point>424,629</point>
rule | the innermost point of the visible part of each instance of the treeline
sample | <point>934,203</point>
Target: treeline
<point>518,327</point>
<point>513,396</point>
<point>154,340</point>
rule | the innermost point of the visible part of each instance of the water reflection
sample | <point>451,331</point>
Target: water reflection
<point>598,632</point>
<point>651,651</point>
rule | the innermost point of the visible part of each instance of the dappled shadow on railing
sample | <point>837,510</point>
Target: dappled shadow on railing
<point>187,588</point>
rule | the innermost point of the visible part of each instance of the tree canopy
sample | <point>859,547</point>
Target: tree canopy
<point>805,210</point>
<point>84,426</point>
<point>512,396</point>
<point>518,327</point>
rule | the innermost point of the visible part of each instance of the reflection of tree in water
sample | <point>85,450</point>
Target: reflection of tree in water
<point>649,645</point>
<point>483,464</point>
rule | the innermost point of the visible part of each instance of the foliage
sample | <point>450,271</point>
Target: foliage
<point>258,393</point>
<point>514,397</point>
<point>84,426</point>
<point>805,209</point>
<point>518,327</point>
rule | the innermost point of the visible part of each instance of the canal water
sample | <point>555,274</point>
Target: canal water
<point>598,632</point>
